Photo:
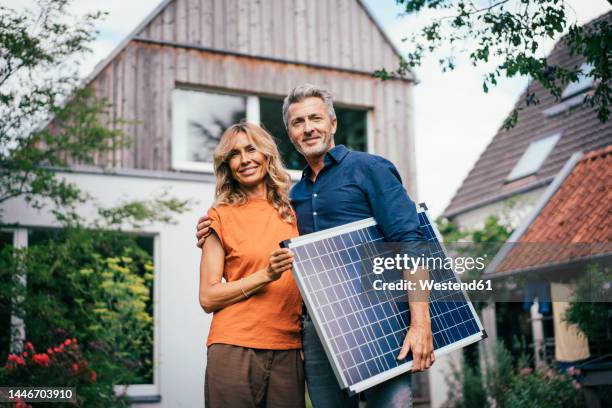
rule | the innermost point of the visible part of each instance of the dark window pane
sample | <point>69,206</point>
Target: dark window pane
<point>271,117</point>
<point>6,243</point>
<point>199,119</point>
<point>351,130</point>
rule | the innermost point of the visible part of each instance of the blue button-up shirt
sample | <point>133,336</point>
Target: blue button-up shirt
<point>353,186</point>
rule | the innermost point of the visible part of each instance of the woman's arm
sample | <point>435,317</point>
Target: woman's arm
<point>215,295</point>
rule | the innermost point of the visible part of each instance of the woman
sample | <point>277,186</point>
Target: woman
<point>254,340</point>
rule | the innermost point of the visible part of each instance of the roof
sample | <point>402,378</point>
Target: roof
<point>580,130</point>
<point>572,225</point>
<point>157,13</point>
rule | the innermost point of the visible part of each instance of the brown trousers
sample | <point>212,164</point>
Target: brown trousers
<point>238,377</point>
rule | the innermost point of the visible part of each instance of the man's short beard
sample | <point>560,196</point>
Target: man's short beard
<point>319,152</point>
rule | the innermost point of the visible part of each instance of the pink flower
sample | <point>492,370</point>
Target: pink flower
<point>41,359</point>
<point>16,359</point>
<point>571,371</point>
<point>29,345</point>
<point>576,384</point>
<point>75,368</point>
<point>93,376</point>
<point>526,371</point>
<point>67,342</point>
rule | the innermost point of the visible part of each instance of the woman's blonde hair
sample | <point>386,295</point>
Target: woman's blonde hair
<point>278,182</point>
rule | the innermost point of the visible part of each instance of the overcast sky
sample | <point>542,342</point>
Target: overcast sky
<point>455,120</point>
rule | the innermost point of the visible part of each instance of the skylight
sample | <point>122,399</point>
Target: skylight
<point>534,157</point>
<point>584,82</point>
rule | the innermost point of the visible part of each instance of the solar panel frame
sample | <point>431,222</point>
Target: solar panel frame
<point>317,318</point>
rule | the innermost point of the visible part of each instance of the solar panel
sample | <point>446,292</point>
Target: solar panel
<point>362,330</point>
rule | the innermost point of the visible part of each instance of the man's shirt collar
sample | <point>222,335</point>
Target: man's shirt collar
<point>335,154</point>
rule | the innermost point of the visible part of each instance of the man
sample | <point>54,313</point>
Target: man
<point>337,187</point>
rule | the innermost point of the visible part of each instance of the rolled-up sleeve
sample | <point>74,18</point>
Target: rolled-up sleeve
<point>393,209</point>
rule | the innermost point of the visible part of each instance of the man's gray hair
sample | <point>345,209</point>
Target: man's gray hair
<point>304,91</point>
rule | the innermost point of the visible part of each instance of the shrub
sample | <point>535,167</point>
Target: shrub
<point>61,365</point>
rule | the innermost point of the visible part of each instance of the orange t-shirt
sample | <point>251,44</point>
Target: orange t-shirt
<point>270,317</point>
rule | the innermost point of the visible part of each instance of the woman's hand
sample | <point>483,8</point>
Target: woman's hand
<point>280,261</point>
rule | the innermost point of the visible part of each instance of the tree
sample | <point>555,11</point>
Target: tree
<point>46,121</point>
<point>508,34</point>
<point>90,281</point>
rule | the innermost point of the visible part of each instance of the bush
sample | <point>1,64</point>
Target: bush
<point>590,308</point>
<point>510,383</point>
<point>90,284</point>
<point>543,389</point>
<point>62,365</point>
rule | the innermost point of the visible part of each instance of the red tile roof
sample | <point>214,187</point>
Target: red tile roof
<point>581,131</point>
<point>576,222</point>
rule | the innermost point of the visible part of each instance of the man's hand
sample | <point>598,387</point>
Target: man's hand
<point>419,340</point>
<point>203,230</point>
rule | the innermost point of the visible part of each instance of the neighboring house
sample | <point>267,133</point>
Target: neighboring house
<point>189,70</point>
<point>519,163</point>
<point>567,232</point>
<point>514,171</point>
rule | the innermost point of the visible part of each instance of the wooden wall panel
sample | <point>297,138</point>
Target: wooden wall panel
<point>141,80</point>
<point>338,33</point>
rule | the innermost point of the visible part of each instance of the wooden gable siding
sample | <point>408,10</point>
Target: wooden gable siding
<point>140,79</point>
<point>338,33</point>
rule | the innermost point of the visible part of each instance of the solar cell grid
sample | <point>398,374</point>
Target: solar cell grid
<point>361,329</point>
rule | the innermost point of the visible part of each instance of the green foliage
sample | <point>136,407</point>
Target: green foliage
<point>466,388</point>
<point>140,212</point>
<point>61,365</point>
<point>591,307</point>
<point>450,231</point>
<point>92,284</point>
<point>46,122</point>
<point>508,35</point>
<point>509,383</point>
<point>499,371</point>
<point>542,389</point>
<point>494,230</point>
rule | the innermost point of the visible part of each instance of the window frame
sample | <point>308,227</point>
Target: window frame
<point>511,177</point>
<point>253,115</point>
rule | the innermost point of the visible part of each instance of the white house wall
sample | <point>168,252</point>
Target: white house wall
<point>521,206</point>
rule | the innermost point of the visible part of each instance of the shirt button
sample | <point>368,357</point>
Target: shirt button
<point>314,213</point>
<point>315,195</point>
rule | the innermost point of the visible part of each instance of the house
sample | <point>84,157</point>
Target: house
<point>513,173</point>
<point>567,232</point>
<point>520,163</point>
<point>189,70</point>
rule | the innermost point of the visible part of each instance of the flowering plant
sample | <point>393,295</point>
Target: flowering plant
<point>545,388</point>
<point>62,365</point>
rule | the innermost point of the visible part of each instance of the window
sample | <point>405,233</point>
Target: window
<point>198,121</point>
<point>6,244</point>
<point>534,157</point>
<point>584,82</point>
<point>574,94</point>
<point>196,131</point>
